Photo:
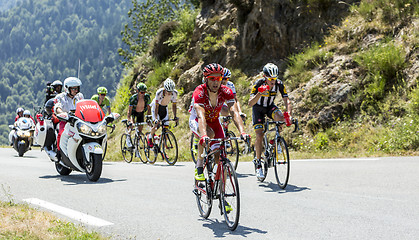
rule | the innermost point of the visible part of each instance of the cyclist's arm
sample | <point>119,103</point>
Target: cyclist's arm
<point>174,109</point>
<point>236,116</point>
<point>255,98</point>
<point>202,122</point>
<point>129,113</point>
<point>148,109</point>
<point>287,105</point>
<point>156,110</point>
<point>239,108</point>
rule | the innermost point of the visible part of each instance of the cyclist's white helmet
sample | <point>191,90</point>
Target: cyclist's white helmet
<point>270,70</point>
<point>71,82</point>
<point>56,83</point>
<point>18,110</point>
<point>26,113</point>
<point>169,85</point>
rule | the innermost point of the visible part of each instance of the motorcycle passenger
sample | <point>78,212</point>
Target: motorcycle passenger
<point>208,99</point>
<point>159,105</point>
<point>53,89</point>
<point>139,103</point>
<point>66,101</point>
<point>102,99</point>
<point>261,100</point>
<point>19,113</point>
<point>50,141</point>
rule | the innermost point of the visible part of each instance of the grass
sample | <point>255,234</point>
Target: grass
<point>19,221</point>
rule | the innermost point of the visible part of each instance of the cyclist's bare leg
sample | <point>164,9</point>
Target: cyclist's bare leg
<point>153,130</point>
<point>199,161</point>
<point>278,116</point>
<point>258,142</point>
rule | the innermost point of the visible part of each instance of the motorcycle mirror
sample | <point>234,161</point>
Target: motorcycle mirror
<point>11,127</point>
<point>63,116</point>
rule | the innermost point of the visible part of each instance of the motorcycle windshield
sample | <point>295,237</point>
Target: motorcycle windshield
<point>89,111</point>
<point>24,123</point>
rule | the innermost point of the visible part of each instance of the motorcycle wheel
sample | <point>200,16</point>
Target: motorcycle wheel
<point>94,170</point>
<point>21,148</point>
<point>62,170</point>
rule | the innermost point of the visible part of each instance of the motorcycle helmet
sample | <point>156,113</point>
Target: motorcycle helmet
<point>27,113</point>
<point>18,110</point>
<point>102,90</point>
<point>49,105</point>
<point>270,70</point>
<point>56,83</point>
<point>169,85</point>
<point>141,87</point>
<point>71,82</point>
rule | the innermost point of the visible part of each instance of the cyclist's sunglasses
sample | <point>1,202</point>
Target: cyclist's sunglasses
<point>215,78</point>
<point>271,79</point>
<point>102,94</point>
<point>227,79</point>
<point>142,92</point>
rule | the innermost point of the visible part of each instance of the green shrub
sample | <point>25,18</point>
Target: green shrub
<point>414,101</point>
<point>321,141</point>
<point>160,73</point>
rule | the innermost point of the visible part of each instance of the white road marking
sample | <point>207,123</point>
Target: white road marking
<point>78,216</point>
<point>335,159</point>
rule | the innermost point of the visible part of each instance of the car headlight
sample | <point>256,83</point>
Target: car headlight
<point>84,128</point>
<point>101,129</point>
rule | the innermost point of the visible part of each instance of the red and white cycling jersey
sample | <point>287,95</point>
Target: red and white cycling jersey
<point>201,97</point>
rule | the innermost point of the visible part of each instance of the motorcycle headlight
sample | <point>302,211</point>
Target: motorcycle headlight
<point>23,134</point>
<point>84,128</point>
<point>101,129</point>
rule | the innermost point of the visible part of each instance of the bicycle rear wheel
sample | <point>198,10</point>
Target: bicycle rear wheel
<point>151,152</point>
<point>140,146</point>
<point>281,162</point>
<point>230,196</point>
<point>126,151</point>
<point>169,148</point>
<point>232,149</point>
<point>194,147</point>
<point>203,195</point>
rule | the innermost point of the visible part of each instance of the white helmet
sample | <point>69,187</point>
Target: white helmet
<point>71,82</point>
<point>26,112</point>
<point>169,85</point>
<point>18,110</point>
<point>270,70</point>
<point>56,83</point>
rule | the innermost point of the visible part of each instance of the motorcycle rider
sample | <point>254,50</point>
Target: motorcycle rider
<point>66,101</point>
<point>53,89</point>
<point>102,99</point>
<point>50,141</point>
<point>19,113</point>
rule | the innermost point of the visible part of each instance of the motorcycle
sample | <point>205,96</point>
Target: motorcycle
<point>83,140</point>
<point>21,135</point>
<point>45,134</point>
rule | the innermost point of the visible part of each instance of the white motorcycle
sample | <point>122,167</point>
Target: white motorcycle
<point>46,135</point>
<point>21,135</point>
<point>83,140</point>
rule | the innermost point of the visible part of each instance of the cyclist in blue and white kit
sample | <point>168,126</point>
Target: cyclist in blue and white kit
<point>226,81</point>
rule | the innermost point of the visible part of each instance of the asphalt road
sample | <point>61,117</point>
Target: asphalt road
<point>369,198</point>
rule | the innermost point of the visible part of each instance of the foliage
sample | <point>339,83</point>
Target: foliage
<point>43,41</point>
<point>161,71</point>
<point>213,43</point>
<point>145,19</point>
<point>414,101</point>
<point>389,11</point>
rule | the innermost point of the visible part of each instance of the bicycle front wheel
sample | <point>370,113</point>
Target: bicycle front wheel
<point>140,146</point>
<point>203,193</point>
<point>230,196</point>
<point>281,162</point>
<point>194,147</point>
<point>232,149</point>
<point>125,149</point>
<point>169,148</point>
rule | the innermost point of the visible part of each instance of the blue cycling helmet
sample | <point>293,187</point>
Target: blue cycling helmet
<point>227,73</point>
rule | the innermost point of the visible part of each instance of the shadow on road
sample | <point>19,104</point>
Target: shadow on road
<point>244,175</point>
<point>273,187</point>
<point>221,230</point>
<point>80,179</point>
<point>25,156</point>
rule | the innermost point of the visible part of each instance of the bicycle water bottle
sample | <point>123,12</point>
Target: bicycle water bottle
<point>156,139</point>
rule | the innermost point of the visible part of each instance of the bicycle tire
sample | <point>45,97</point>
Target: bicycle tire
<point>140,146</point>
<point>263,163</point>
<point>281,162</point>
<point>152,152</point>
<point>194,148</point>
<point>203,195</point>
<point>230,195</point>
<point>126,152</point>
<point>232,150</point>
<point>169,148</point>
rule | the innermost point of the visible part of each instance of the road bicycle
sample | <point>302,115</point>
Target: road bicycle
<point>112,127</point>
<point>220,183</point>
<point>232,145</point>
<point>276,155</point>
<point>136,148</point>
<point>164,145</point>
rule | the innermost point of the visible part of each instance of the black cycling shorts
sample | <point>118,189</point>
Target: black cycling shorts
<point>259,113</point>
<point>137,117</point>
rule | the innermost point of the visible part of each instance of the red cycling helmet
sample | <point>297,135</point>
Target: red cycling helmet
<point>213,68</point>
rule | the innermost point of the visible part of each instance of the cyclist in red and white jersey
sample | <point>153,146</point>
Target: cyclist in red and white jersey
<point>208,99</point>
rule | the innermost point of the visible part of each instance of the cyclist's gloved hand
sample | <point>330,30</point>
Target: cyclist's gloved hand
<point>244,136</point>
<point>204,139</point>
<point>287,118</point>
<point>263,88</point>
<point>156,122</point>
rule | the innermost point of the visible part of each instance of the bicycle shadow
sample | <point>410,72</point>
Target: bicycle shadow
<point>244,175</point>
<point>273,187</point>
<point>221,230</point>
<point>80,179</point>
